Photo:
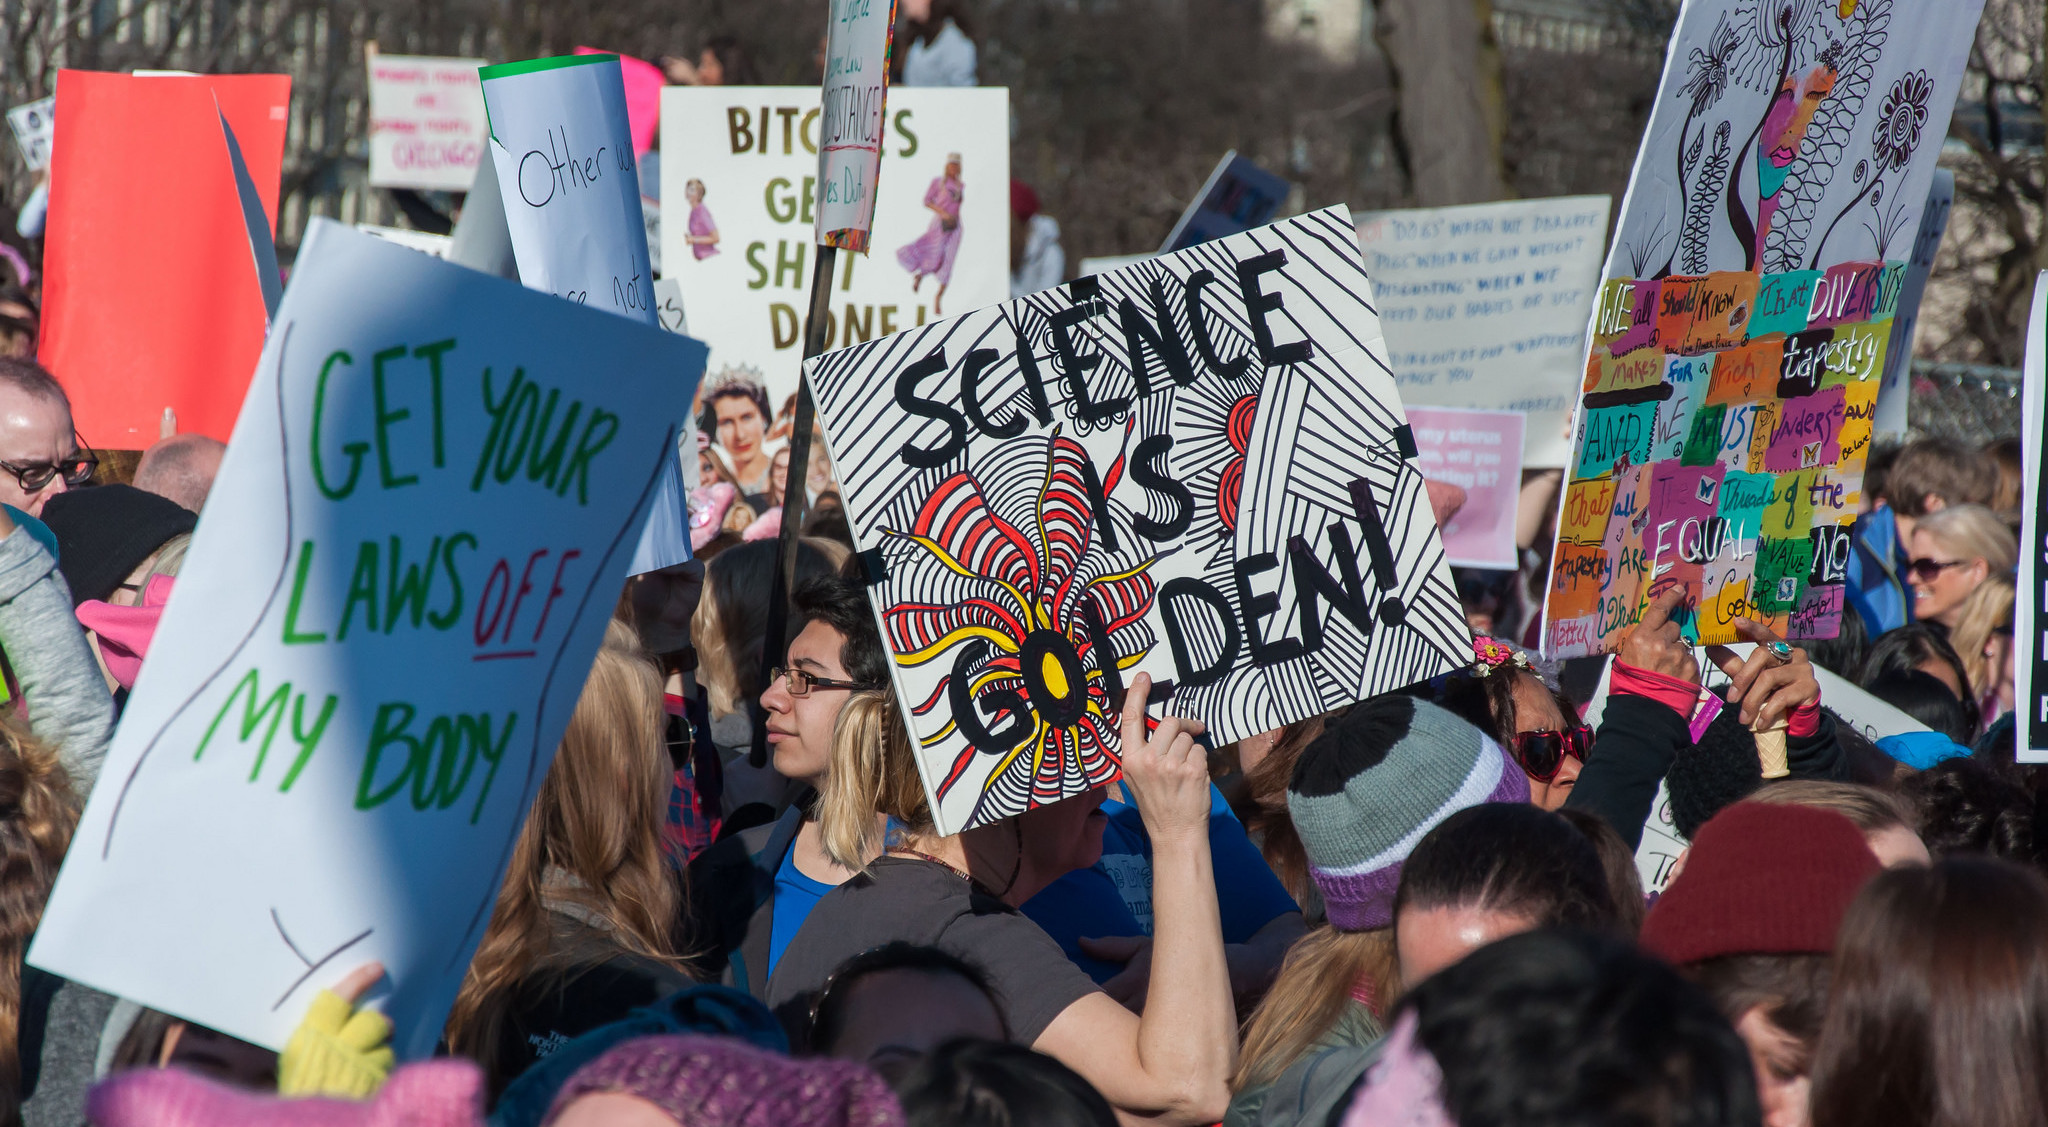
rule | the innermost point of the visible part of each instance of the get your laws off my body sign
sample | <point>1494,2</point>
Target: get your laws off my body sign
<point>1195,467</point>
<point>417,537</point>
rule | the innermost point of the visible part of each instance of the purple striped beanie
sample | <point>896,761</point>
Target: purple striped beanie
<point>1379,778</point>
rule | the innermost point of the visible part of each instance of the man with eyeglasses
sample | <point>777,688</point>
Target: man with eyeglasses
<point>40,455</point>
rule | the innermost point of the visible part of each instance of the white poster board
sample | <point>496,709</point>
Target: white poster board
<point>739,169</point>
<point>1196,468</point>
<point>2030,606</point>
<point>854,125</point>
<point>1896,394</point>
<point>35,129</point>
<point>427,127</point>
<point>562,146</point>
<point>1486,305</point>
<point>417,536</point>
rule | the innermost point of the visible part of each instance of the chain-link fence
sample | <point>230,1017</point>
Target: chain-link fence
<point>1967,402</point>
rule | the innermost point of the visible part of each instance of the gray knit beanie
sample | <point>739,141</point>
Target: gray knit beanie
<point>1377,779</point>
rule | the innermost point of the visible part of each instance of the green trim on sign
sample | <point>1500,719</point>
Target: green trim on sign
<point>530,66</point>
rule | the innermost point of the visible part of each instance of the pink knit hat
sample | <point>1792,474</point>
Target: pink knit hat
<point>721,1082</point>
<point>436,1093</point>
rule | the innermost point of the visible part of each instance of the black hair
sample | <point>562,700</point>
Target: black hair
<point>1722,769</point>
<point>740,579</point>
<point>1488,703</point>
<point>843,605</point>
<point>737,389</point>
<point>1923,697</point>
<point>828,1011</point>
<point>1843,654</point>
<point>1970,807</point>
<point>1907,648</point>
<point>1510,857</point>
<point>974,1083</point>
<point>1560,1029</point>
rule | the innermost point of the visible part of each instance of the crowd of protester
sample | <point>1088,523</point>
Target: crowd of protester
<point>730,903</point>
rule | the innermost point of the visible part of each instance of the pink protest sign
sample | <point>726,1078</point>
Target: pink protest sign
<point>643,82</point>
<point>1481,453</point>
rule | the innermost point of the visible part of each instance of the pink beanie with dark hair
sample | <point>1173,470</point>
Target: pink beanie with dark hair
<point>721,1082</point>
<point>436,1093</point>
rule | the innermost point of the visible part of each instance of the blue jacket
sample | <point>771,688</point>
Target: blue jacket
<point>1877,574</point>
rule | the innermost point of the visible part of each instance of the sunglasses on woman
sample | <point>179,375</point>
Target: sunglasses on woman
<point>1541,754</point>
<point>1929,570</point>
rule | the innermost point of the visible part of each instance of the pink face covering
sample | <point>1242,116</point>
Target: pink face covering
<point>124,632</point>
<point>1404,1088</point>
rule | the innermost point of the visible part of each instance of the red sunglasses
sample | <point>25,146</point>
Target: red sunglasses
<point>1541,754</point>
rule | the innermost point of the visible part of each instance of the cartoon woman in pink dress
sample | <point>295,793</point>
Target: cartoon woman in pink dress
<point>703,233</point>
<point>934,251</point>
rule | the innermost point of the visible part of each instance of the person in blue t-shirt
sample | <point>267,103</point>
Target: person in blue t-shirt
<point>1102,916</point>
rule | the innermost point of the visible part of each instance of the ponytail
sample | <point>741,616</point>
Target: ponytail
<point>871,770</point>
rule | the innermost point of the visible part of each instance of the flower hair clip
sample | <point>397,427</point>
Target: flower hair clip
<point>1489,654</point>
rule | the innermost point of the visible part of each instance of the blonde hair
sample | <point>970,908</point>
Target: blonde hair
<point>1974,532</point>
<point>871,770</point>
<point>1869,808</point>
<point>592,845</point>
<point>1316,981</point>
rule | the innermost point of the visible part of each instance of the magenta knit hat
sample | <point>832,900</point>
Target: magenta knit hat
<point>721,1082</point>
<point>436,1093</point>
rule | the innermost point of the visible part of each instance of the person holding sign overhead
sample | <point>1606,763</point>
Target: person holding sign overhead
<point>1656,710</point>
<point>959,893</point>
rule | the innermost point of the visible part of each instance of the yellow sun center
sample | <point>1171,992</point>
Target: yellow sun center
<point>1055,675</point>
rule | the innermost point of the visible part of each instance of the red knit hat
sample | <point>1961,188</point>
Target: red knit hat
<point>1761,880</point>
<point>1023,201</point>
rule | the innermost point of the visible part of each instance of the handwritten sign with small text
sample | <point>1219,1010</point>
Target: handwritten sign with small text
<point>851,129</point>
<point>427,127</point>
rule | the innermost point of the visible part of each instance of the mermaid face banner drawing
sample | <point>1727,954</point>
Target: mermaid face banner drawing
<point>1196,467</point>
<point>1739,336</point>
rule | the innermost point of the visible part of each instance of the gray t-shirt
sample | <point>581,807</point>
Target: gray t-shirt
<point>930,905</point>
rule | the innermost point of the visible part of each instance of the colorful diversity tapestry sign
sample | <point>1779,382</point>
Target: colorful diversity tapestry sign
<point>1739,336</point>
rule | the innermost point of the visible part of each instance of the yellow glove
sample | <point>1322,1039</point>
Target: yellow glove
<point>337,1050</point>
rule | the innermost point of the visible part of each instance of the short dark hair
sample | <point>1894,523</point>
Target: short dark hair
<point>32,378</point>
<point>1939,467</point>
<point>1925,698</point>
<point>1792,991</point>
<point>1969,807</point>
<point>1904,649</point>
<point>828,1012</point>
<point>1618,861</point>
<point>1556,1027</point>
<point>843,605</point>
<point>739,389</point>
<point>1509,857</point>
<point>974,1083</point>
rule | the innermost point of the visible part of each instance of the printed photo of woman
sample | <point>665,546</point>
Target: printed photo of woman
<point>703,234</point>
<point>934,251</point>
